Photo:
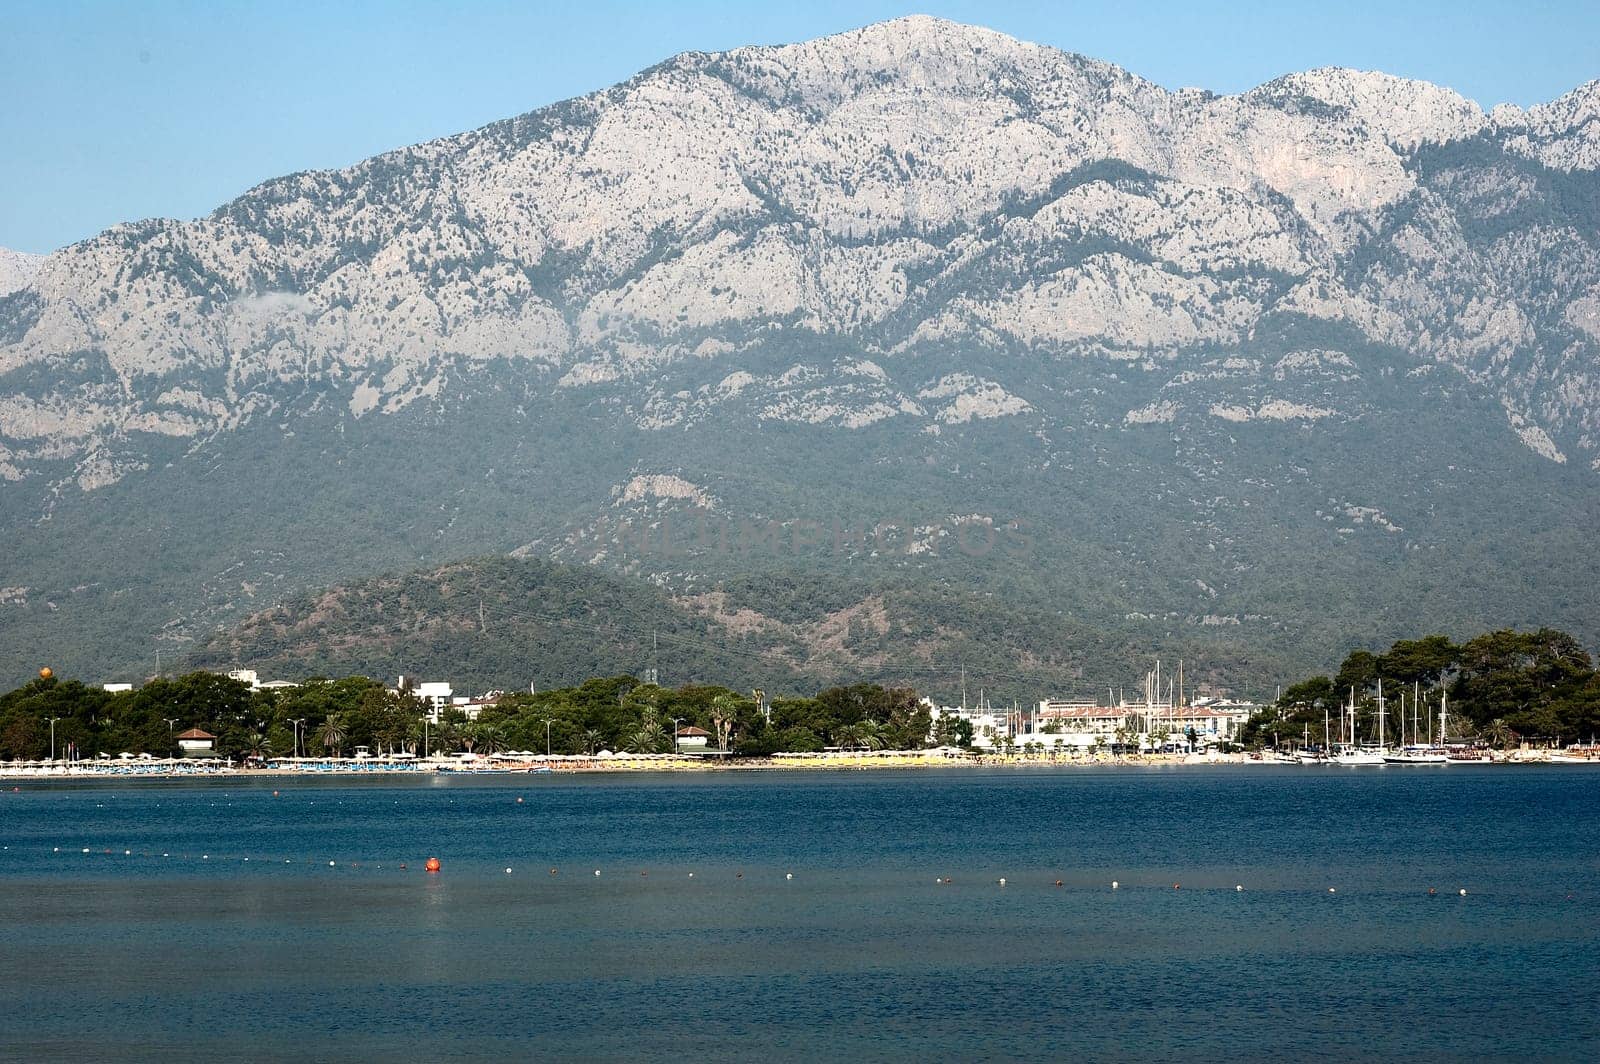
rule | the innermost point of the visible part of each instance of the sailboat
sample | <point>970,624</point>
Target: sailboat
<point>1349,753</point>
<point>1416,753</point>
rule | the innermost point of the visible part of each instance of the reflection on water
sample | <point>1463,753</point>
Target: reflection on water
<point>264,948</point>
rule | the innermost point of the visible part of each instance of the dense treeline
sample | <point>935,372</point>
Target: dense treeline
<point>1503,687</point>
<point>335,716</point>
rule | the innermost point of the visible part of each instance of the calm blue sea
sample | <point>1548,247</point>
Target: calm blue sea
<point>206,921</point>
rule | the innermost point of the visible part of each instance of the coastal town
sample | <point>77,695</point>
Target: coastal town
<point>449,732</point>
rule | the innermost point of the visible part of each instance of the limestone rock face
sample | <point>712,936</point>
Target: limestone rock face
<point>912,183</point>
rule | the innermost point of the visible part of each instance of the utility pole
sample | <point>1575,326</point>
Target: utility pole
<point>53,737</point>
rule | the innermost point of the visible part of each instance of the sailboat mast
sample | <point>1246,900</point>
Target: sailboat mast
<point>1380,712</point>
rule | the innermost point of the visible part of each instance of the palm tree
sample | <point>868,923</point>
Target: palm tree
<point>256,745</point>
<point>648,740</point>
<point>724,715</point>
<point>1499,734</point>
<point>862,735</point>
<point>592,740</point>
<point>334,730</point>
<point>491,740</point>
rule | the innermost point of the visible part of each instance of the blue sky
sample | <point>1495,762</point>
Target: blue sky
<point>117,111</point>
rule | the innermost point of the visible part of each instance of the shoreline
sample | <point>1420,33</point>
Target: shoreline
<point>583,765</point>
<point>579,764</point>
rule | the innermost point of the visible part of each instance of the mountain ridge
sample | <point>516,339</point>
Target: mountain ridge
<point>968,277</point>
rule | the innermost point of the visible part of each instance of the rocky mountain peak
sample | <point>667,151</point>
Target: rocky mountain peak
<point>17,269</point>
<point>1402,111</point>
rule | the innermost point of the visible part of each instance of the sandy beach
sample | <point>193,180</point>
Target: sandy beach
<point>499,765</point>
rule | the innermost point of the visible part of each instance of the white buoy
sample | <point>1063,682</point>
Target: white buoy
<point>1463,892</point>
<point>330,864</point>
<point>1332,891</point>
<point>1002,881</point>
<point>691,875</point>
<point>86,849</point>
<point>1115,884</point>
<point>129,853</point>
<point>205,857</point>
<point>1238,887</point>
<point>597,871</point>
<point>508,871</point>
<point>789,875</point>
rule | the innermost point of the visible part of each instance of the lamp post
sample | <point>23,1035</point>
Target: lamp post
<point>424,736</point>
<point>297,721</point>
<point>675,722</point>
<point>547,738</point>
<point>53,737</point>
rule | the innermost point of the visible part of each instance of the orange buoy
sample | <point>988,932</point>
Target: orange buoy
<point>46,672</point>
<point>433,864</point>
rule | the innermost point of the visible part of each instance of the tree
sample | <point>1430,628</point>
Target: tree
<point>651,738</point>
<point>1424,661</point>
<point>1497,733</point>
<point>1360,671</point>
<point>491,740</point>
<point>861,735</point>
<point>333,733</point>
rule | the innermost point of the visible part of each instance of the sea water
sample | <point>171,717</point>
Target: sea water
<point>799,915</point>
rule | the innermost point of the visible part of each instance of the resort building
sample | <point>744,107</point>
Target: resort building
<point>692,738</point>
<point>248,676</point>
<point>1075,723</point>
<point>197,743</point>
<point>438,695</point>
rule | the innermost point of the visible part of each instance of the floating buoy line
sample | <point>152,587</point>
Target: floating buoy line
<point>434,866</point>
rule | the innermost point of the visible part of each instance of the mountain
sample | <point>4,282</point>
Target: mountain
<point>495,622</point>
<point>17,269</point>
<point>1311,364</point>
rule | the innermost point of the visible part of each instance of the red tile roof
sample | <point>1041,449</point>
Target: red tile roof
<point>195,733</point>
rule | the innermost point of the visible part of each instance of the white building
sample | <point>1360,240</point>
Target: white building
<point>692,738</point>
<point>1074,723</point>
<point>246,676</point>
<point>116,688</point>
<point>437,695</point>
<point>472,707</point>
<point>989,725</point>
